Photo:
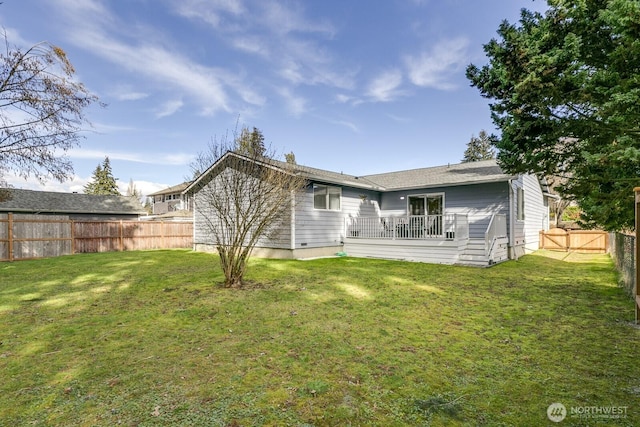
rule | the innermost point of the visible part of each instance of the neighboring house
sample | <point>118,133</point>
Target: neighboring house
<point>468,213</point>
<point>86,207</point>
<point>170,200</point>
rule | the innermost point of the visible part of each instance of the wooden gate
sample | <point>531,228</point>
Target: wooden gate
<point>585,241</point>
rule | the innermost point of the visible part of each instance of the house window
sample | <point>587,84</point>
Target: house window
<point>326,197</point>
<point>520,204</point>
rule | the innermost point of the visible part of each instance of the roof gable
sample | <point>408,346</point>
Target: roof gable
<point>49,201</point>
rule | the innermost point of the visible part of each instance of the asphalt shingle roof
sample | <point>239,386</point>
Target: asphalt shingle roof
<point>441,176</point>
<point>48,201</point>
<point>438,176</point>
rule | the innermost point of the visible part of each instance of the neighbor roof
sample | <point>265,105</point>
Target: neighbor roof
<point>170,190</point>
<point>52,202</point>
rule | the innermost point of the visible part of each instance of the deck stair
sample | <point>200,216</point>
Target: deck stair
<point>474,254</point>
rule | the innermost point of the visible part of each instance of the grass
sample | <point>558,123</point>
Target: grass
<point>146,338</point>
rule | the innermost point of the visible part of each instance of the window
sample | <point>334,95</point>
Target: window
<point>430,204</point>
<point>520,204</point>
<point>326,197</point>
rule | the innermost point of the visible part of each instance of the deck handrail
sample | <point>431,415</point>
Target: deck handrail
<point>497,228</point>
<point>449,226</point>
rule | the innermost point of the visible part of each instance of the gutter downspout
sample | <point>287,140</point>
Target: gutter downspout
<point>293,224</point>
<point>512,254</point>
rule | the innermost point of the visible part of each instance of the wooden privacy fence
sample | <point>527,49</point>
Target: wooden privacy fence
<point>35,236</point>
<point>587,241</point>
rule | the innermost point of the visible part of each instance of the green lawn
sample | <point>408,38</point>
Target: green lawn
<point>147,339</point>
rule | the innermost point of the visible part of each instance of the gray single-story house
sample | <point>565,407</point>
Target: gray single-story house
<point>75,206</point>
<point>467,213</point>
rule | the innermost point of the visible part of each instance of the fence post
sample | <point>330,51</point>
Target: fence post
<point>121,236</point>
<point>637,244</point>
<point>10,234</point>
<point>73,238</point>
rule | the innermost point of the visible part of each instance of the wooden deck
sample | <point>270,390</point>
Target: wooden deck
<point>442,239</point>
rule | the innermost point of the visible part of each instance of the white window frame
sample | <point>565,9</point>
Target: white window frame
<point>329,190</point>
<point>425,196</point>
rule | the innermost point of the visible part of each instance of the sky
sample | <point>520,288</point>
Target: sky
<point>353,86</point>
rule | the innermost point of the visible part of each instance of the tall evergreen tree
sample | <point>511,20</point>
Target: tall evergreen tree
<point>103,181</point>
<point>565,92</point>
<point>251,143</point>
<point>479,148</point>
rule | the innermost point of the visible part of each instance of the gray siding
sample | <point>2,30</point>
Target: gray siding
<point>536,212</point>
<point>279,236</point>
<point>317,228</point>
<point>478,201</point>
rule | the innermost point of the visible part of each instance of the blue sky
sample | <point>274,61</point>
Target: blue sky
<point>355,86</point>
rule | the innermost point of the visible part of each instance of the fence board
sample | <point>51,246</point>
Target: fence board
<point>584,241</point>
<point>36,236</point>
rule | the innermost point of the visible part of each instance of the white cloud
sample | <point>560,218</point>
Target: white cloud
<point>352,126</point>
<point>399,119</point>
<point>280,34</point>
<point>286,20</point>
<point>132,96</point>
<point>436,67</point>
<point>127,93</point>
<point>252,44</point>
<point>76,184</point>
<point>179,159</point>
<point>210,11</point>
<point>144,187</point>
<point>169,108</point>
<point>93,28</point>
<point>384,88</point>
<point>296,105</point>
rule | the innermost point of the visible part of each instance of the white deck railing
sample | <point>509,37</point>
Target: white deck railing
<point>450,227</point>
<point>497,228</point>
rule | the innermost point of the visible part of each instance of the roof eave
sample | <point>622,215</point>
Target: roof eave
<point>68,211</point>
<point>453,184</point>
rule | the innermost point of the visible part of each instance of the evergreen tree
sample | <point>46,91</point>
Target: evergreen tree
<point>565,92</point>
<point>480,148</point>
<point>103,181</point>
<point>290,158</point>
<point>251,143</point>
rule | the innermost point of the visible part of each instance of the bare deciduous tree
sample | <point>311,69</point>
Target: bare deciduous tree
<point>241,199</point>
<point>41,111</point>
